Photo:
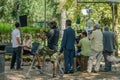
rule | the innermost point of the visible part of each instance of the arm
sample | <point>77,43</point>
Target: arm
<point>91,36</point>
<point>50,34</point>
<point>28,45</point>
<point>114,42</point>
<point>63,43</point>
<point>104,41</point>
<point>79,44</point>
<point>18,38</point>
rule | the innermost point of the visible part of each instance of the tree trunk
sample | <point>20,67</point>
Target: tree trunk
<point>116,27</point>
<point>63,19</point>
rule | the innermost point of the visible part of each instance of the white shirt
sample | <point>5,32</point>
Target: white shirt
<point>27,43</point>
<point>15,34</point>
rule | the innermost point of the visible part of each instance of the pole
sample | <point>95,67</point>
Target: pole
<point>113,18</point>
<point>45,14</point>
<point>45,29</point>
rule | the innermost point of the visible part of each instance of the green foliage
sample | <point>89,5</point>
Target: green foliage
<point>34,9</point>
<point>5,28</point>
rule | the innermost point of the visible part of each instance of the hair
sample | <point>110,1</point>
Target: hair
<point>97,26</point>
<point>106,28</point>
<point>17,24</point>
<point>68,22</point>
<point>84,33</point>
<point>54,23</point>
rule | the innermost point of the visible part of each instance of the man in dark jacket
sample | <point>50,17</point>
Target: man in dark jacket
<point>109,46</point>
<point>68,47</point>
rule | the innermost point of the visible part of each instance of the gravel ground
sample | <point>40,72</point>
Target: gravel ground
<point>36,75</point>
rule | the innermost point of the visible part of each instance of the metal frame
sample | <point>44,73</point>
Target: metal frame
<point>105,2</point>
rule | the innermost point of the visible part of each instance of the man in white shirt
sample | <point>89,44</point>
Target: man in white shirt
<point>16,42</point>
<point>97,47</point>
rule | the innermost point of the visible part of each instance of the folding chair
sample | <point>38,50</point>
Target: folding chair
<point>35,49</point>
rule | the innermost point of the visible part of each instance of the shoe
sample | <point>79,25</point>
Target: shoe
<point>106,71</point>
<point>85,71</point>
<point>71,71</point>
<point>96,71</point>
<point>19,69</point>
<point>12,68</point>
<point>54,75</point>
<point>38,67</point>
<point>66,72</point>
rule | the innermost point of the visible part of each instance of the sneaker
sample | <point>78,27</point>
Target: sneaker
<point>12,68</point>
<point>54,75</point>
<point>38,67</point>
<point>96,71</point>
<point>19,69</point>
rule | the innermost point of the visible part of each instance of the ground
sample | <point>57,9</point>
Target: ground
<point>36,75</point>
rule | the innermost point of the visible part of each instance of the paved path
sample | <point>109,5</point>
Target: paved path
<point>35,75</point>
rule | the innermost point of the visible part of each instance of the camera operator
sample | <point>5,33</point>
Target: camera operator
<point>52,37</point>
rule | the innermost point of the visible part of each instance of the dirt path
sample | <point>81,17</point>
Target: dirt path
<point>35,75</point>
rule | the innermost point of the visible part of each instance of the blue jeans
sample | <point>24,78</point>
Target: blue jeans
<point>69,60</point>
<point>16,57</point>
<point>108,65</point>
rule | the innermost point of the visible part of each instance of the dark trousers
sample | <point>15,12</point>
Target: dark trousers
<point>83,62</point>
<point>16,57</point>
<point>69,60</point>
<point>108,64</point>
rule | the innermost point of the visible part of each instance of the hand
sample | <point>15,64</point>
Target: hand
<point>59,53</point>
<point>25,46</point>
<point>21,45</point>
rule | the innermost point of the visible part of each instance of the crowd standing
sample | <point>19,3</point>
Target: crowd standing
<point>91,45</point>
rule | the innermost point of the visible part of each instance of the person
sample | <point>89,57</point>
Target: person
<point>97,47</point>
<point>89,25</point>
<point>68,46</point>
<point>52,37</point>
<point>109,46</point>
<point>85,51</point>
<point>27,46</point>
<point>16,43</point>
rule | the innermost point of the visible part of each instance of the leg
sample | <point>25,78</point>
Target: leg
<point>78,62</point>
<point>90,61</point>
<point>38,59</point>
<point>54,60</point>
<point>85,62</point>
<point>108,64</point>
<point>22,57</point>
<point>66,58</point>
<point>71,59</point>
<point>13,59</point>
<point>54,69</point>
<point>99,57</point>
<point>82,63</point>
<point>75,63</point>
<point>18,57</point>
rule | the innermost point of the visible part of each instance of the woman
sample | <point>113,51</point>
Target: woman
<point>27,46</point>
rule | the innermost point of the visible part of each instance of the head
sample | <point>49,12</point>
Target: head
<point>52,24</point>
<point>68,23</point>
<point>106,28</point>
<point>84,34</point>
<point>17,25</point>
<point>96,26</point>
<point>27,36</point>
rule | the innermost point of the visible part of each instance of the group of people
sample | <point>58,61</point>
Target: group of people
<point>91,45</point>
